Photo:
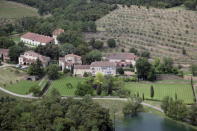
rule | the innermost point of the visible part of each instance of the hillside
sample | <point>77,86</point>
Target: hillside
<point>162,32</point>
<point>12,10</point>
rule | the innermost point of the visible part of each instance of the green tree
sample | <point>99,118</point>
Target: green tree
<point>92,56</point>
<point>111,43</point>
<point>6,42</point>
<point>97,45</point>
<point>133,107</point>
<point>83,89</point>
<point>120,71</point>
<point>193,114</point>
<point>36,69</point>
<point>52,71</point>
<point>15,51</point>
<point>175,109</point>
<point>152,92</point>
<point>143,68</point>
<point>133,50</point>
<point>99,80</point>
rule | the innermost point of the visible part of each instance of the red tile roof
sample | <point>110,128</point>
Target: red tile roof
<point>4,51</point>
<point>103,64</point>
<point>72,55</point>
<point>58,32</point>
<point>121,56</point>
<point>81,66</point>
<point>40,57</point>
<point>37,37</point>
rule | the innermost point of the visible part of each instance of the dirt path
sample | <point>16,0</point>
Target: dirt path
<point>106,98</point>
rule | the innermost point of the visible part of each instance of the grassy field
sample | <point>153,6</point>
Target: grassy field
<point>12,79</point>
<point>162,89</point>
<point>22,87</point>
<point>61,85</point>
<point>10,75</point>
<point>162,32</point>
<point>15,10</point>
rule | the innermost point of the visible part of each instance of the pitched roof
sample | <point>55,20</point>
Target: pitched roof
<point>58,32</point>
<point>102,64</point>
<point>81,66</point>
<point>40,57</point>
<point>122,56</point>
<point>72,55</point>
<point>4,51</point>
<point>37,37</point>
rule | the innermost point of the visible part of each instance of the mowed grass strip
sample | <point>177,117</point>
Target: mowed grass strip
<point>61,85</point>
<point>10,75</point>
<point>10,9</point>
<point>22,87</point>
<point>161,90</point>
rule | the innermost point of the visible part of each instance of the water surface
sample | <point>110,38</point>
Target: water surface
<point>150,122</point>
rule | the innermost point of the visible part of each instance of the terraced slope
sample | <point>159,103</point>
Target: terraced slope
<point>162,32</point>
<point>10,11</point>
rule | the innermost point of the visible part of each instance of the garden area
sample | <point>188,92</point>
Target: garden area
<point>174,88</point>
<point>66,85</point>
<point>12,79</point>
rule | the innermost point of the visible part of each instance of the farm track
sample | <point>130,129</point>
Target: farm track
<point>107,98</point>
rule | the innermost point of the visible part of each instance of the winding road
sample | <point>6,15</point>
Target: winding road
<point>94,98</point>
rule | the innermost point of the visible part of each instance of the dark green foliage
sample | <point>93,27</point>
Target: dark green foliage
<point>96,44</point>
<point>145,54</point>
<point>92,56</point>
<point>133,50</point>
<point>6,42</point>
<point>15,51</point>
<point>53,113</point>
<point>83,89</point>
<point>66,49</point>
<point>152,92</point>
<point>143,68</point>
<point>183,51</point>
<point>52,71</point>
<point>193,69</point>
<point>49,50</point>
<point>120,71</point>
<point>72,37</point>
<point>191,4</point>
<point>193,115</point>
<point>35,90</point>
<point>133,107</point>
<point>175,109</point>
<point>111,43</point>
<point>36,69</point>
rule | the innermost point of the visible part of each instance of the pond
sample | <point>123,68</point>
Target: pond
<point>150,122</point>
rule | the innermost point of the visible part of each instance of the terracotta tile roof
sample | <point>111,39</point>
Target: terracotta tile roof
<point>81,66</point>
<point>121,56</point>
<point>72,55</point>
<point>4,51</point>
<point>103,64</point>
<point>37,37</point>
<point>58,32</point>
<point>40,57</point>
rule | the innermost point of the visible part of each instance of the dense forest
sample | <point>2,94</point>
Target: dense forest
<point>53,114</point>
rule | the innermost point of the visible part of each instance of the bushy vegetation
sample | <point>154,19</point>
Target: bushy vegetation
<point>132,107</point>
<point>177,110</point>
<point>53,113</point>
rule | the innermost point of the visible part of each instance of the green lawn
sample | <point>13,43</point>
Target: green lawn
<point>22,87</point>
<point>10,9</point>
<point>162,89</point>
<point>9,75</point>
<point>61,85</point>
